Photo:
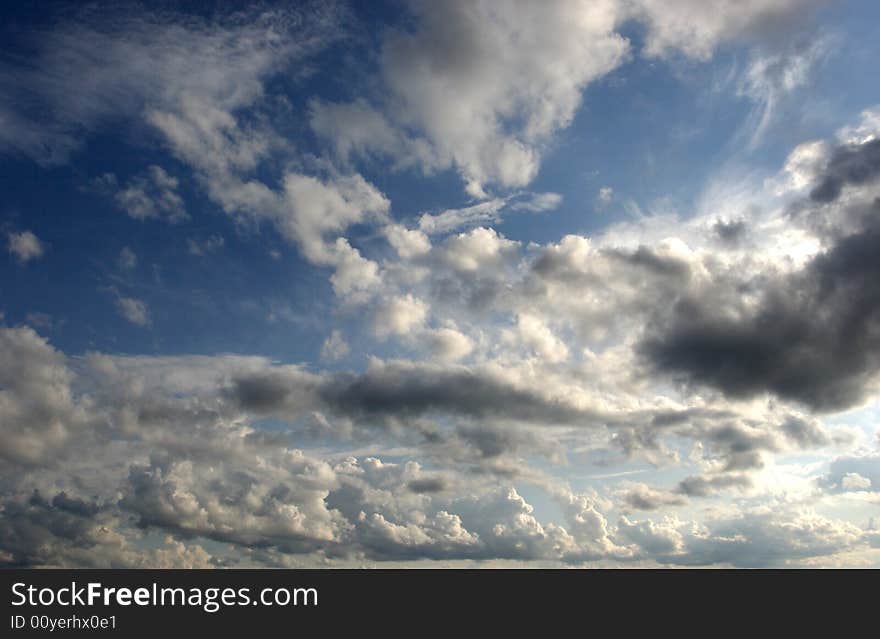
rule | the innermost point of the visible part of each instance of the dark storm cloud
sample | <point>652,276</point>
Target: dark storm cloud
<point>642,497</point>
<point>854,164</point>
<point>403,390</point>
<point>648,260</point>
<point>815,335</point>
<point>813,339</point>
<point>30,529</point>
<point>428,485</point>
<point>260,392</point>
<point>706,485</point>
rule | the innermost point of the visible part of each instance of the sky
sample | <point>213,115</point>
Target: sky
<point>458,283</point>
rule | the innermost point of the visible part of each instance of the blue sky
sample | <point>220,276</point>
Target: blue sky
<point>487,273</point>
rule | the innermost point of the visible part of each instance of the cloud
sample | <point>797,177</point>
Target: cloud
<point>771,77</point>
<point>166,446</point>
<point>696,27</point>
<point>208,245</point>
<point>318,208</point>
<point>127,258</point>
<point>152,196</point>
<point>536,336</point>
<point>137,62</point>
<point>37,406</point>
<point>449,345</point>
<point>400,316</point>
<point>133,310</point>
<point>811,337</point>
<point>334,347</point>
<point>643,497</point>
<point>408,243</point>
<point>853,473</point>
<point>401,389</point>
<point>25,246</point>
<point>853,164</point>
<point>765,539</point>
<point>470,89</point>
<point>485,213</point>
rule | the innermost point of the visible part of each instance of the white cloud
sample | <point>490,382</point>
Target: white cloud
<point>208,245</point>
<point>486,213</point>
<point>484,89</point>
<point>408,243</point>
<point>771,78</point>
<point>318,208</point>
<point>152,196</point>
<point>854,481</point>
<point>134,310</point>
<point>137,63</point>
<point>536,336</point>
<point>25,246</point>
<point>449,345</point>
<point>697,27</point>
<point>400,316</point>
<point>335,347</point>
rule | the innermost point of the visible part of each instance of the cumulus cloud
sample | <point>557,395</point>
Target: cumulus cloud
<point>853,473</point>
<point>503,360</point>
<point>133,310</point>
<point>185,461</point>
<point>37,406</point>
<point>643,497</point>
<point>448,344</point>
<point>25,246</point>
<point>504,107</point>
<point>400,316</point>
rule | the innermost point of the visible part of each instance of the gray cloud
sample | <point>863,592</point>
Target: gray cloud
<point>853,164</point>
<point>812,338</point>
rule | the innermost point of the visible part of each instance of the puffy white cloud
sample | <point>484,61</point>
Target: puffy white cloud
<point>853,473</point>
<point>400,316</point>
<point>37,406</point>
<point>448,344</point>
<point>854,481</point>
<point>319,208</point>
<point>25,246</point>
<point>408,243</point>
<point>134,310</point>
<point>536,336</point>
<point>476,251</point>
<point>483,87</point>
